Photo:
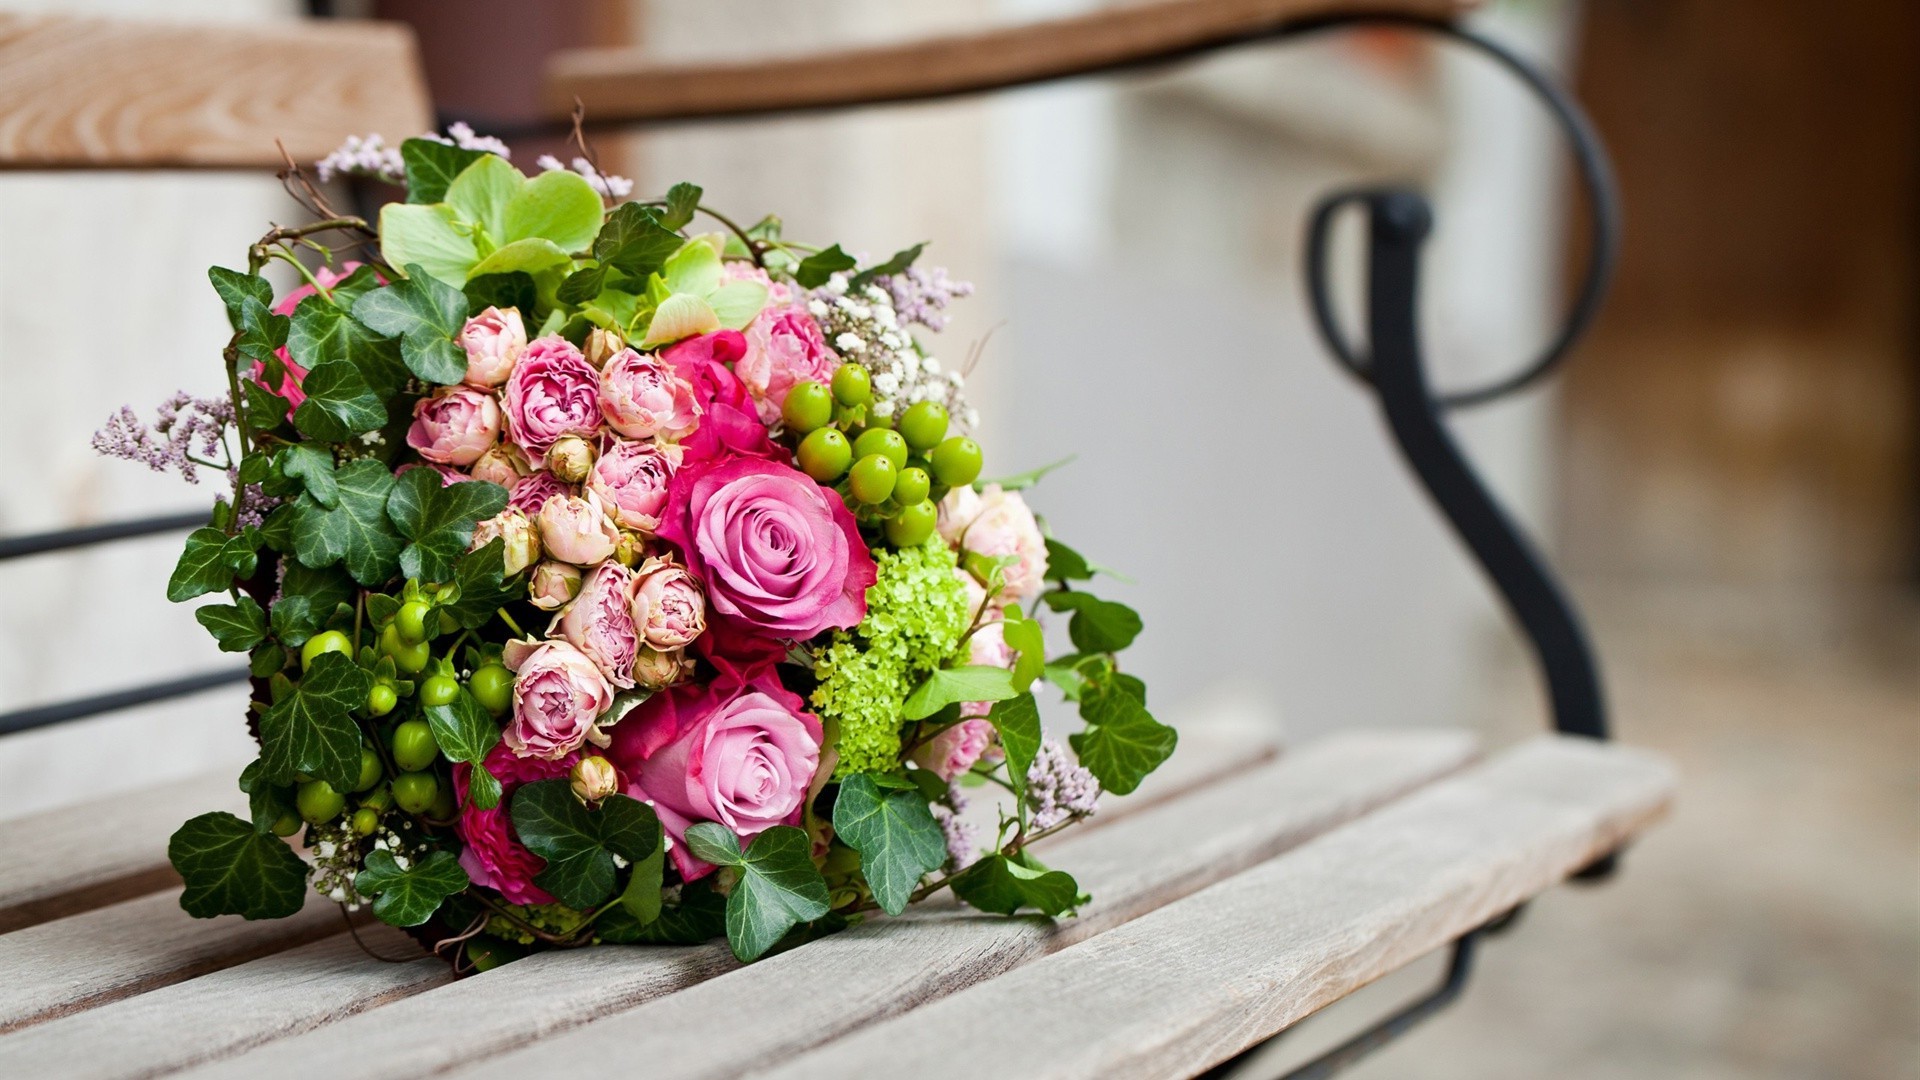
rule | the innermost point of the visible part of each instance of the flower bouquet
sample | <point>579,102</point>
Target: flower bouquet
<point>604,580</point>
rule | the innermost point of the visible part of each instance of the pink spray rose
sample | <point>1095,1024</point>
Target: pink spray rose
<point>552,391</point>
<point>532,491</point>
<point>576,529</point>
<point>600,624</point>
<point>784,346</point>
<point>642,398</point>
<point>954,750</point>
<point>557,694</point>
<point>631,478</point>
<point>494,339</point>
<point>553,585</point>
<point>743,756</point>
<point>503,464</point>
<point>493,856</point>
<point>776,550</point>
<point>729,420</point>
<point>669,610</point>
<point>997,523</point>
<point>520,541</point>
<point>454,426</point>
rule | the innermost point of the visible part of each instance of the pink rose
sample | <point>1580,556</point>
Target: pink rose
<point>553,585</point>
<point>532,491</point>
<point>493,856</point>
<point>729,420</point>
<point>631,478</point>
<point>784,346</point>
<point>576,529</point>
<point>552,391</point>
<point>954,750</point>
<point>600,623</point>
<point>503,464</point>
<point>743,756</point>
<point>520,541</point>
<point>641,398</point>
<point>558,693</point>
<point>997,523</point>
<point>454,426</point>
<point>494,339</point>
<point>775,549</point>
<point>669,610</point>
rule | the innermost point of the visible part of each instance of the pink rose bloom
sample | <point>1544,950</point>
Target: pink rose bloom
<point>557,695</point>
<point>454,426</point>
<point>576,529</point>
<point>669,610</point>
<point>494,857</point>
<point>552,391</point>
<point>553,585</point>
<point>743,756</point>
<point>776,550</point>
<point>600,624</point>
<point>954,750</point>
<point>503,464</point>
<point>494,339</point>
<point>729,420</point>
<point>784,346</point>
<point>532,491</point>
<point>997,523</point>
<point>631,478</point>
<point>642,398</point>
<point>520,541</point>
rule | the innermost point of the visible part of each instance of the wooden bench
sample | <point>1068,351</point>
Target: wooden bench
<point>1236,893</point>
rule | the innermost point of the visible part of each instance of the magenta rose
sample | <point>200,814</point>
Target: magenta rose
<point>531,492</point>
<point>454,426</point>
<point>599,622</point>
<point>631,478</point>
<point>642,398</point>
<point>669,610</point>
<point>494,857</point>
<point>494,340</point>
<point>784,346</point>
<point>743,756</point>
<point>558,693</point>
<point>552,391</point>
<point>729,420</point>
<point>776,550</point>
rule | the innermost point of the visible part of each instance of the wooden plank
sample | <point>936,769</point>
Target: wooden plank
<point>626,84</point>
<point>802,998</point>
<point>224,1012</point>
<point>84,961</point>
<point>63,862</point>
<point>506,1008</point>
<point>110,93</point>
<point>1199,980</point>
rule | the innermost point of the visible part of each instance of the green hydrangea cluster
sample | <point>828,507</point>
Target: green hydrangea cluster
<point>916,612</point>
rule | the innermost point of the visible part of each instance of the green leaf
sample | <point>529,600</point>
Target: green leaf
<point>261,332</point>
<point>779,886</point>
<point>694,270</point>
<point>1025,480</point>
<point>231,868</point>
<point>426,314</point>
<point>895,834</point>
<point>900,261</point>
<point>1122,742</point>
<point>683,199</point>
<point>503,291</point>
<point>1018,722</point>
<point>313,467</point>
<point>481,192</point>
<point>701,915</point>
<point>235,288</point>
<point>579,844</point>
<point>483,586</point>
<point>311,730</point>
<point>266,802</point>
<point>953,686</point>
<point>1098,626</point>
<point>237,627</point>
<point>463,728</point>
<point>635,241</point>
<point>483,788</point>
<point>1025,637</point>
<point>737,303</point>
<point>308,599</point>
<point>641,898</point>
<point>357,530</point>
<point>265,409</point>
<point>431,166</point>
<point>1004,885</point>
<point>438,520</point>
<point>815,269</point>
<point>339,404</point>
<point>582,285</point>
<point>409,897</point>
<point>324,332</point>
<point>429,237</point>
<point>533,255</point>
<point>202,568</point>
<point>558,206</point>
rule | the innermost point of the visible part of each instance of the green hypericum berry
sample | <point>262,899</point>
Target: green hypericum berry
<point>852,385</point>
<point>379,798</point>
<point>809,407</point>
<point>911,486</point>
<point>365,820</point>
<point>413,747</point>
<point>492,687</point>
<point>381,700</point>
<point>370,770</point>
<point>881,441</point>
<point>414,792</point>
<point>957,461</point>
<point>318,802</point>
<point>324,642</point>
<point>912,525</point>
<point>924,424</point>
<point>411,621</point>
<point>825,455</point>
<point>439,690</point>
<point>411,659</point>
<point>872,479</point>
<point>286,824</point>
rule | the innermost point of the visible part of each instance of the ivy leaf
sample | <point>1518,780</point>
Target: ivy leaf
<point>582,285</point>
<point>202,567</point>
<point>635,241</point>
<point>1025,480</point>
<point>641,899</point>
<point>438,520</point>
<point>510,290</point>
<point>265,409</point>
<point>230,868</point>
<point>1003,885</point>
<point>579,844</point>
<point>682,200</point>
<point>463,728</point>
<point>324,332</point>
<point>267,660</point>
<point>312,466</point>
<point>1098,626</point>
<point>236,288</point>
<point>900,261</point>
<point>1025,637</point>
<point>779,886</point>
<point>339,404</point>
<point>311,730</point>
<point>1122,742</point>
<point>483,788</point>
<point>260,333</point>
<point>356,530</point>
<point>815,269</point>
<point>431,165</point>
<point>409,897</point>
<point>483,586</point>
<point>426,314</point>
<point>1018,722</point>
<point>952,686</point>
<point>895,834</point>
<point>701,915</point>
<point>237,627</point>
<point>308,598</point>
<point>266,802</point>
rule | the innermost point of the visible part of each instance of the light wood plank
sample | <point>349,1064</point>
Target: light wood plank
<point>626,84</point>
<point>804,997</point>
<point>87,960</point>
<point>63,862</point>
<point>110,93</point>
<point>1199,980</point>
<point>224,1012</point>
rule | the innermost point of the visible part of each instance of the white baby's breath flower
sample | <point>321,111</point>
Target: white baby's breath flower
<point>849,342</point>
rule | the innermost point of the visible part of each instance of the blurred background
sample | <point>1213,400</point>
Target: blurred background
<point>1726,471</point>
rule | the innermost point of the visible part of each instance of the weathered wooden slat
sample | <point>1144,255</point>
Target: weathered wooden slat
<point>224,1012</point>
<point>110,93</point>
<point>87,960</point>
<point>63,862</point>
<point>1196,981</point>
<point>804,997</point>
<point>626,84</point>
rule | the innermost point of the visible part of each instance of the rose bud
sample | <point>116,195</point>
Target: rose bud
<point>593,779</point>
<point>494,339</point>
<point>654,669</point>
<point>553,585</point>
<point>503,464</point>
<point>669,610</point>
<point>570,458</point>
<point>601,347</point>
<point>576,529</point>
<point>454,426</point>
<point>630,550</point>
<point>522,540</point>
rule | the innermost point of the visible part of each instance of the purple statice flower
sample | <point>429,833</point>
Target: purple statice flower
<point>608,185</point>
<point>251,503</point>
<point>184,426</point>
<point>363,155</point>
<point>921,296</point>
<point>1056,787</point>
<point>963,849</point>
